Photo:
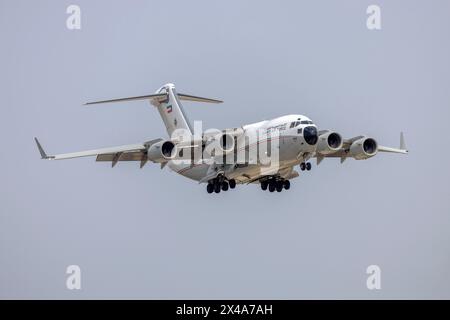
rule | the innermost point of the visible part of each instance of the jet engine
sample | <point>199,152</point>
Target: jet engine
<point>363,148</point>
<point>329,142</point>
<point>162,151</point>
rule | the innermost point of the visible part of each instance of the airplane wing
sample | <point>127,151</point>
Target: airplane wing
<point>402,148</point>
<point>343,153</point>
<point>130,152</point>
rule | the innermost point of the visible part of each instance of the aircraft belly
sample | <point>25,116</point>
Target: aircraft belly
<point>289,149</point>
<point>195,172</point>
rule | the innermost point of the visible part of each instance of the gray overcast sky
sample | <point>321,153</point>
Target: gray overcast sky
<point>152,234</point>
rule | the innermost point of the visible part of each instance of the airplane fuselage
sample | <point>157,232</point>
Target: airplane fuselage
<point>293,149</point>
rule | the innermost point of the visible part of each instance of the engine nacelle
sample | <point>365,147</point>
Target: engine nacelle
<point>329,142</point>
<point>363,148</point>
<point>162,151</point>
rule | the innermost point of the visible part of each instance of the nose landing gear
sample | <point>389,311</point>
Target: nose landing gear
<point>306,166</point>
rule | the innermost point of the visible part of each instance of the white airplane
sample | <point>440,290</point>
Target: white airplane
<point>242,155</point>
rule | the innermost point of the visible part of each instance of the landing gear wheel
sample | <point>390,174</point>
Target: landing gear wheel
<point>302,166</point>
<point>271,186</point>
<point>286,184</point>
<point>308,166</point>
<point>232,183</point>
<point>264,185</point>
<point>225,186</point>
<point>210,188</point>
<point>216,187</point>
<point>279,186</point>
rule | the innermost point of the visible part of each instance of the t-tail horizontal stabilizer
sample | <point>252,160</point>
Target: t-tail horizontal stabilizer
<point>157,97</point>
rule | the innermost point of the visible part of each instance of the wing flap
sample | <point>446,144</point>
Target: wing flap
<point>126,156</point>
<point>95,152</point>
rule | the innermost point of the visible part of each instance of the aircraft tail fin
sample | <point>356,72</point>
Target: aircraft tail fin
<point>172,112</point>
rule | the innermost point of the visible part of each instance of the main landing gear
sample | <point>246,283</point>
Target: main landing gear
<point>306,166</point>
<point>275,183</point>
<point>220,184</point>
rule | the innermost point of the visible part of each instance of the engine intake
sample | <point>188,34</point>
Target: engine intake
<point>329,142</point>
<point>363,148</point>
<point>162,151</point>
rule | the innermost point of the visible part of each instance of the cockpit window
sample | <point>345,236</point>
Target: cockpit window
<point>297,123</point>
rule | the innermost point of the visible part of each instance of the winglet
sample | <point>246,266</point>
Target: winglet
<point>402,142</point>
<point>41,150</point>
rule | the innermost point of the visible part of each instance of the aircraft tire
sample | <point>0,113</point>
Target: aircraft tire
<point>264,185</point>
<point>224,186</point>
<point>279,186</point>
<point>271,187</point>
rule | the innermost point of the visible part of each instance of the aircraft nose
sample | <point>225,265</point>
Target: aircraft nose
<point>310,135</point>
